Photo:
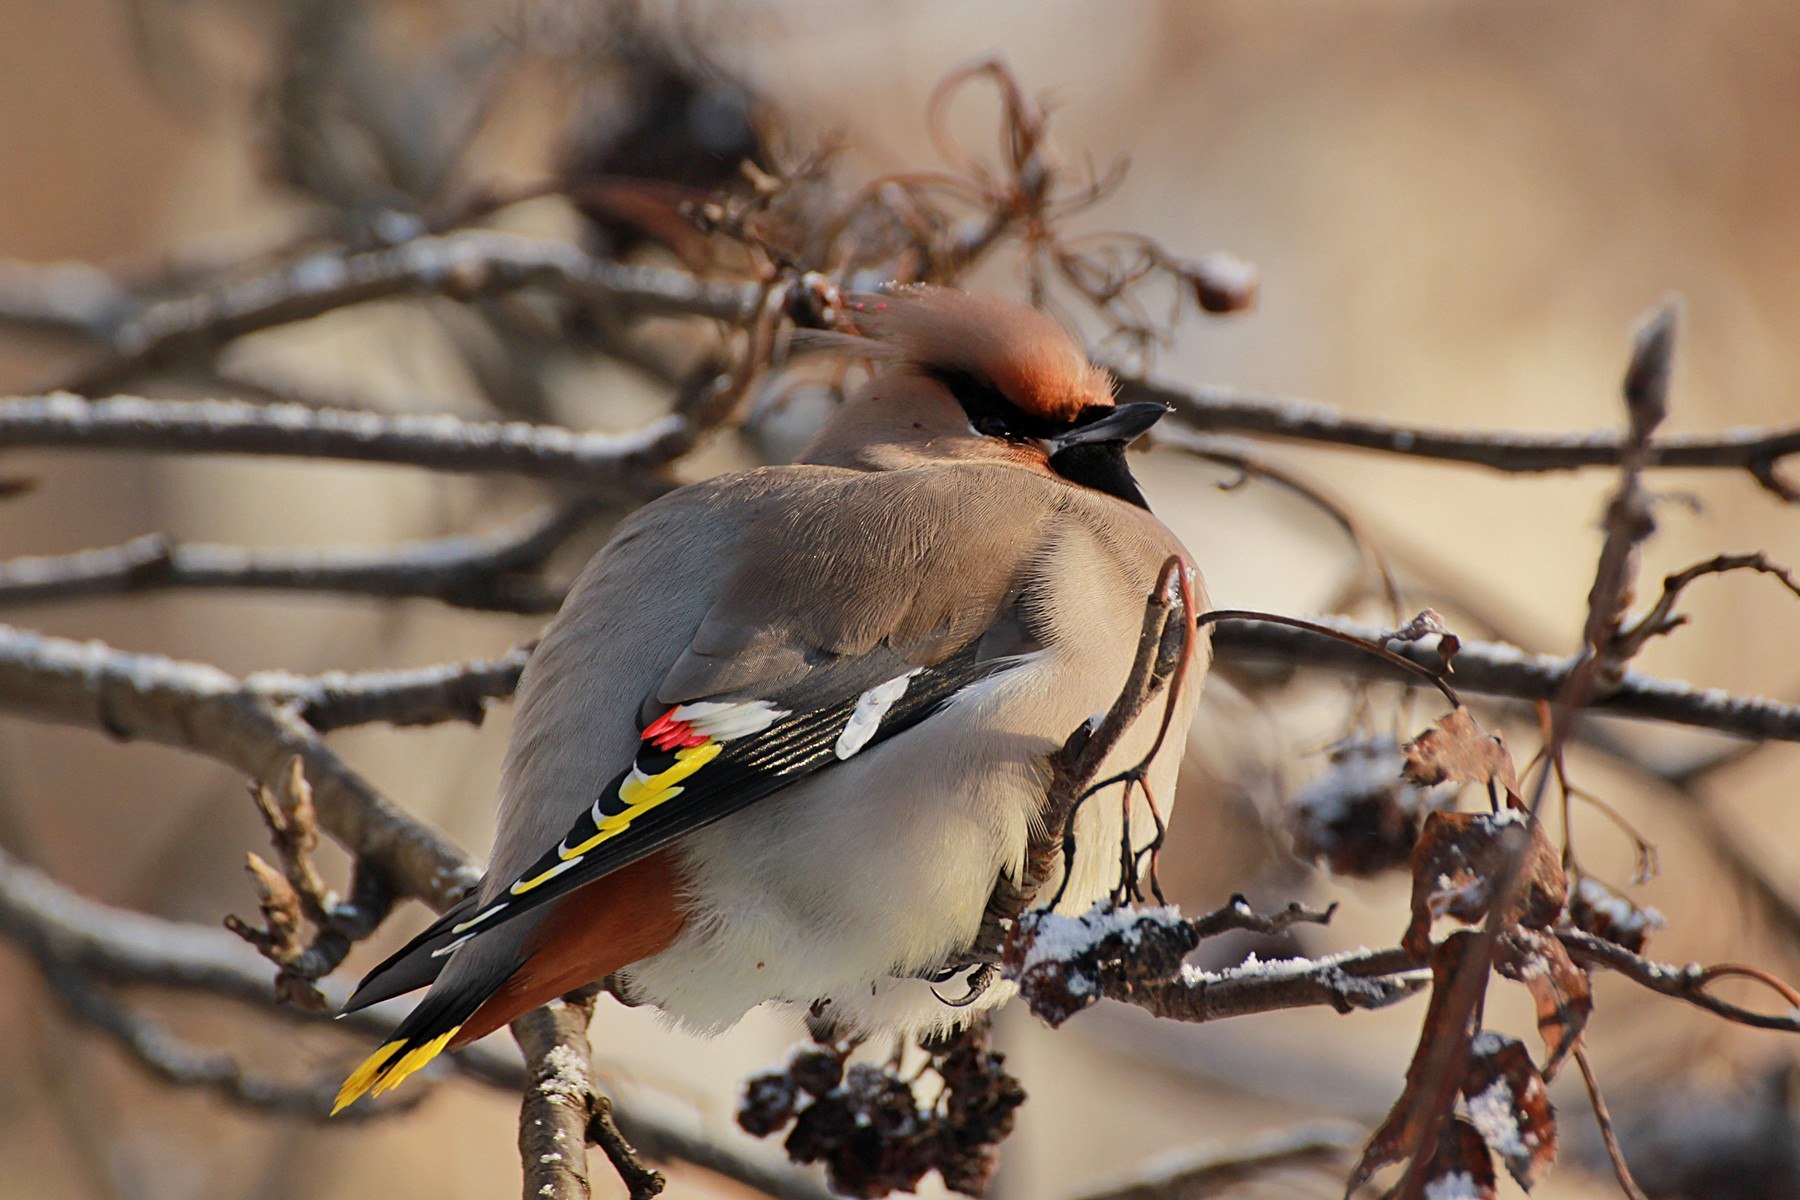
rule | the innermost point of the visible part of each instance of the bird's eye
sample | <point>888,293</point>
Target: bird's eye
<point>990,413</point>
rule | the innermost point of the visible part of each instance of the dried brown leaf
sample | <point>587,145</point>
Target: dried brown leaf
<point>1509,1106</point>
<point>1461,1169</point>
<point>1403,1125</point>
<point>1454,865</point>
<point>1562,990</point>
<point>1457,750</point>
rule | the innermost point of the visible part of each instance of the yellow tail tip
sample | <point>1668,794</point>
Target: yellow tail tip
<point>364,1077</point>
<point>377,1074</point>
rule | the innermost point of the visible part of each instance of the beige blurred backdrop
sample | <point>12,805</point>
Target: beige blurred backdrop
<point>1457,209</point>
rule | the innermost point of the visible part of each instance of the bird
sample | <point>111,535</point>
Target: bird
<point>791,726</point>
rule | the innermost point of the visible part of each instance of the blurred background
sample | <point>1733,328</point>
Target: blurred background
<point>1456,211</point>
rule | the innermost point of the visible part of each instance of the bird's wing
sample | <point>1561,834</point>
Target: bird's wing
<point>850,608</point>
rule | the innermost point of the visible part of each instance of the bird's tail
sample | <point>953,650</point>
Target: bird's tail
<point>418,1039</point>
<point>508,970</point>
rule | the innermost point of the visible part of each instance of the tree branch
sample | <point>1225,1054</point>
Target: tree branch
<point>1495,669</point>
<point>199,708</point>
<point>487,572</point>
<point>421,696</point>
<point>1364,979</point>
<point>464,266</point>
<point>1064,964</point>
<point>1213,409</point>
<point>168,1058</point>
<point>98,944</point>
<point>553,1118</point>
<point>624,465</point>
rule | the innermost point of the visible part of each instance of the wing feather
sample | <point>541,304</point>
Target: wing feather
<point>697,763</point>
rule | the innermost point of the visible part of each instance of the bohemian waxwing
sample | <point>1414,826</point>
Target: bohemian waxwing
<point>791,725</point>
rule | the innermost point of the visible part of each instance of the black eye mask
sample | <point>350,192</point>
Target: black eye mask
<point>1090,450</point>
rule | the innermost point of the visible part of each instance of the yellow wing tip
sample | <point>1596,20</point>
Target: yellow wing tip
<point>377,1075</point>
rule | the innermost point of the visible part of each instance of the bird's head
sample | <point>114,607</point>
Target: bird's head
<point>967,377</point>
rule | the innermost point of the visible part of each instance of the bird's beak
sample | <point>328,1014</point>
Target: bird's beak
<point>1122,426</point>
<point>1093,453</point>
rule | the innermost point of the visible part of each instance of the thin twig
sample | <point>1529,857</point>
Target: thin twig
<point>1603,1117</point>
<point>1662,617</point>
<point>1690,983</point>
<point>1163,646</point>
<point>1373,560</point>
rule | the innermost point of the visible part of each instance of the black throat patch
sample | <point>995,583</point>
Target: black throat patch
<point>1101,466</point>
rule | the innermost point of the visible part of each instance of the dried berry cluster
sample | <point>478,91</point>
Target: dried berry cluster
<point>867,1125</point>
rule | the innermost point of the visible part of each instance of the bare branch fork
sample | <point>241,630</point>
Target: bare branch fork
<point>258,732</point>
<point>562,1105</point>
<point>464,266</point>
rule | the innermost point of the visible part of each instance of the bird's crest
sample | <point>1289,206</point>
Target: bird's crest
<point>1024,354</point>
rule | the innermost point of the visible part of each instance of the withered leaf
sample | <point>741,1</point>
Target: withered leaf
<point>1562,990</point>
<point>1510,1107</point>
<point>1461,1169</point>
<point>1454,866</point>
<point>1403,1125</point>
<point>1457,750</point>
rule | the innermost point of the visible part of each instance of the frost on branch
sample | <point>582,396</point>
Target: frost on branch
<point>1063,964</point>
<point>1605,913</point>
